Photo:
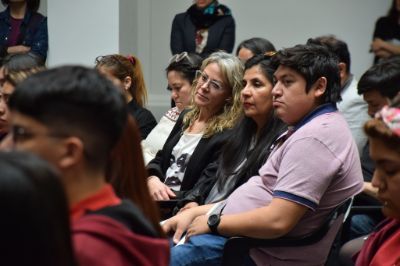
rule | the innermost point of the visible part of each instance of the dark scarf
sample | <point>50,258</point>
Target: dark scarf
<point>204,18</point>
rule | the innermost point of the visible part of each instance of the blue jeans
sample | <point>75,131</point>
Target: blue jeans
<point>202,250</point>
<point>361,225</point>
<point>199,250</point>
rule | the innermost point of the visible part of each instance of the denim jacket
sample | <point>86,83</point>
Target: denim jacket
<point>37,40</point>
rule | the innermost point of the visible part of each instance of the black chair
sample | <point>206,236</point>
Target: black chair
<point>166,207</point>
<point>362,204</point>
<point>236,248</point>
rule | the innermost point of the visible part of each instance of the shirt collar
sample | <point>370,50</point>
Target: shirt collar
<point>320,110</point>
<point>103,198</point>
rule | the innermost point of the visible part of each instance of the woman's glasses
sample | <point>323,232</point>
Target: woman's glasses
<point>202,78</point>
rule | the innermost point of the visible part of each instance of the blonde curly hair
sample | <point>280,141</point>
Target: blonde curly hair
<point>232,73</point>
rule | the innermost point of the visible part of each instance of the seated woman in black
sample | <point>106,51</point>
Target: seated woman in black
<point>126,73</point>
<point>200,133</point>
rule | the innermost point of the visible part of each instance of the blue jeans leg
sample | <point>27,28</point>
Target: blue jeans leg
<point>199,250</point>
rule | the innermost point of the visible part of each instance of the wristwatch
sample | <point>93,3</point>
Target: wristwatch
<point>213,222</point>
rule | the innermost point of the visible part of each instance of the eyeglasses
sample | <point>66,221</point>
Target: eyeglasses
<point>179,57</point>
<point>20,134</point>
<point>202,79</point>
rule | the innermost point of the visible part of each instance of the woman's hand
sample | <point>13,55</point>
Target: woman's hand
<point>188,205</point>
<point>178,224</point>
<point>158,190</point>
<point>18,49</point>
<point>198,226</point>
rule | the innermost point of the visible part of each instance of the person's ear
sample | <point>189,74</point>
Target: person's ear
<point>72,153</point>
<point>342,71</point>
<point>127,83</point>
<point>320,87</point>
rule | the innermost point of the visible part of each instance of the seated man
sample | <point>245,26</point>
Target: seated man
<point>72,117</point>
<point>314,168</point>
<point>378,85</point>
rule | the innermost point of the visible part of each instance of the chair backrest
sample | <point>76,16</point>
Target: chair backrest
<point>236,248</point>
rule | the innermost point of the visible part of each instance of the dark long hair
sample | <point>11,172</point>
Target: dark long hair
<point>127,174</point>
<point>393,14</point>
<point>238,147</point>
<point>34,226</point>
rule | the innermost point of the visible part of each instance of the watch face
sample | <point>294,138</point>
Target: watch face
<point>213,219</point>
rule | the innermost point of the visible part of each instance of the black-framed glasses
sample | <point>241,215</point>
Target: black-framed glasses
<point>179,57</point>
<point>20,133</point>
<point>202,79</point>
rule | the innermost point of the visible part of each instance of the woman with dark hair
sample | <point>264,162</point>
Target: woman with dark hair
<point>181,72</point>
<point>127,73</point>
<point>15,69</point>
<point>34,224</point>
<point>23,29</point>
<point>386,38</point>
<point>206,27</point>
<point>254,46</point>
<point>248,148</point>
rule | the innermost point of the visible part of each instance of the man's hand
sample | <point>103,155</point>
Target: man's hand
<point>198,226</point>
<point>158,190</point>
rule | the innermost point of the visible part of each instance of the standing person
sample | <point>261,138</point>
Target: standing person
<point>386,38</point>
<point>382,246</point>
<point>127,73</point>
<point>253,46</point>
<point>207,26</point>
<point>23,29</point>
<point>313,169</point>
<point>181,72</point>
<point>200,133</point>
<point>72,117</point>
<point>34,226</point>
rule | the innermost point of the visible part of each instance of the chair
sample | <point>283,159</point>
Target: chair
<point>236,248</point>
<point>166,207</point>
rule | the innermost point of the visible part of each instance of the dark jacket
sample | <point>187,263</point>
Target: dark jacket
<point>204,155</point>
<point>144,118</point>
<point>36,36</point>
<point>221,35</point>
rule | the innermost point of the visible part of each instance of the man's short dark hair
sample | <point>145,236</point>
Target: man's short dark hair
<point>338,47</point>
<point>75,101</point>
<point>383,77</point>
<point>312,62</point>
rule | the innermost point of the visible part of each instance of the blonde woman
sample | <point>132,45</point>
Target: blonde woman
<point>200,133</point>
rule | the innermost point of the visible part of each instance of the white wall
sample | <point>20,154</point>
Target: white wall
<point>80,30</point>
<point>284,22</point>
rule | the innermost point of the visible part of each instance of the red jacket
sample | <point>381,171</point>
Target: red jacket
<point>100,240</point>
<point>382,247</point>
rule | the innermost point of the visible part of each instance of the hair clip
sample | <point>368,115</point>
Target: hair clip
<point>131,59</point>
<point>391,117</point>
<point>270,53</point>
